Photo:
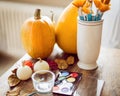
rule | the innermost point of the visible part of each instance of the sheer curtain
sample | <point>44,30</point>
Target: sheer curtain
<point>111,26</point>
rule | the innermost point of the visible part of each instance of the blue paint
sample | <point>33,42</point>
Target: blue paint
<point>64,73</point>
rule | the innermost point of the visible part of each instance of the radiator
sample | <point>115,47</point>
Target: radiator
<point>11,20</point>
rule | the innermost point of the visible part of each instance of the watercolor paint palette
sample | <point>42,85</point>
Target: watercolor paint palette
<point>66,82</point>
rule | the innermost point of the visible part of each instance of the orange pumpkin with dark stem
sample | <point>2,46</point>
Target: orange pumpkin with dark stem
<point>37,35</point>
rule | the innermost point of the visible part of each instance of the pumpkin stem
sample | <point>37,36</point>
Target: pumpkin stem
<point>40,59</point>
<point>52,16</point>
<point>37,14</point>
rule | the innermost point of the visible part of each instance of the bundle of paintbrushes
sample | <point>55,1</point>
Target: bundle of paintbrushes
<point>93,10</point>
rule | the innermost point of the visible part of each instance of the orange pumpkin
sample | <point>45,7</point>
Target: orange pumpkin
<point>66,27</point>
<point>37,35</point>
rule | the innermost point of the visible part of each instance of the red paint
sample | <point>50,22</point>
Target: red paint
<point>74,74</point>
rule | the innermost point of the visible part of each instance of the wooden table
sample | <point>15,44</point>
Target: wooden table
<point>108,70</point>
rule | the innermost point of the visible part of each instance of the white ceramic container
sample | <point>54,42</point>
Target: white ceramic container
<point>88,43</point>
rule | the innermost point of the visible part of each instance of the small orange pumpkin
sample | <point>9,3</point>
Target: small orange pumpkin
<point>37,35</point>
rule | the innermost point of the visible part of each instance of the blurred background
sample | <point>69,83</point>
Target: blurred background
<point>14,12</point>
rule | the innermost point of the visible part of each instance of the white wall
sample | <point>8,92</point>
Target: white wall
<point>59,3</point>
<point>111,27</point>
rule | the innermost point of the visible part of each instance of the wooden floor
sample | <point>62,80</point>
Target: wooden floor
<point>6,61</point>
